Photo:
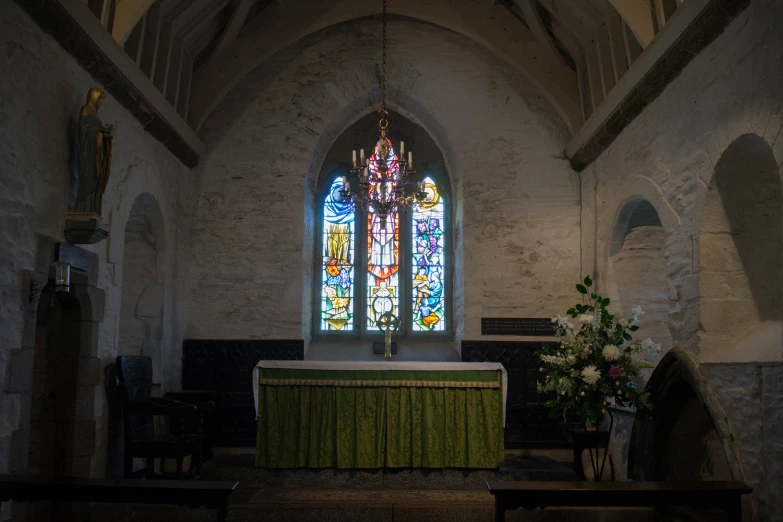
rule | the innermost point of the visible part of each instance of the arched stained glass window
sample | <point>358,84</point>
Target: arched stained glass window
<point>337,273</point>
<point>427,220</point>
<point>383,247</point>
<point>370,266</point>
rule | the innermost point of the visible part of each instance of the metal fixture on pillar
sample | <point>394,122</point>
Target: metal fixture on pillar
<point>62,278</point>
<point>383,177</point>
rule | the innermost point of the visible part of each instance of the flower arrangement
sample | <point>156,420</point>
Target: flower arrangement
<point>595,361</point>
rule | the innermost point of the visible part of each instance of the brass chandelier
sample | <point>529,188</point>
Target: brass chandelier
<point>383,177</point>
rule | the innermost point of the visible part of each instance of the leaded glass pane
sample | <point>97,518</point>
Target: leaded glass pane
<point>337,275</point>
<point>428,261</point>
<point>383,238</point>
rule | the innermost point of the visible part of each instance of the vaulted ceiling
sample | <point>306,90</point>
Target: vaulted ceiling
<point>599,62</point>
<point>195,51</point>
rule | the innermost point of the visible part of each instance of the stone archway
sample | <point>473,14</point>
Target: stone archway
<point>144,284</point>
<point>54,375</point>
<point>687,436</point>
<point>741,257</point>
<point>56,395</point>
<point>142,309</point>
<point>637,276</point>
<point>637,269</point>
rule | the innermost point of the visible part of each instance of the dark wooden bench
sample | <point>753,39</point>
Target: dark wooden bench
<point>190,493</point>
<point>511,495</point>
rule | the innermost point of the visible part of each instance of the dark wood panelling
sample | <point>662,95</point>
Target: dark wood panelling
<point>527,421</point>
<point>226,368</point>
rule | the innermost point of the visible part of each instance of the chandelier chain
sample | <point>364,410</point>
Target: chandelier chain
<point>383,66</point>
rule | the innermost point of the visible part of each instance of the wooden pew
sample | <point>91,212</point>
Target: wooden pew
<point>511,495</point>
<point>190,493</point>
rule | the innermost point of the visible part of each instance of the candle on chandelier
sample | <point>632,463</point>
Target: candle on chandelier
<point>343,182</point>
<point>402,149</point>
<point>366,174</point>
<point>421,186</point>
<point>354,157</point>
<point>361,156</point>
<point>347,186</point>
<point>410,158</point>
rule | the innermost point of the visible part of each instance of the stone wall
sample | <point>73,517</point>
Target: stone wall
<point>669,156</point>
<point>516,200</point>
<point>41,91</point>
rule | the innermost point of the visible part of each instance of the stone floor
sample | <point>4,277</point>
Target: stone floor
<point>410,495</point>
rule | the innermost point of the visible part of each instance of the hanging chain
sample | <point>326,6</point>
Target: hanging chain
<point>383,66</point>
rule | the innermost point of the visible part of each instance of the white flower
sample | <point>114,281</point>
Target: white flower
<point>611,352</point>
<point>554,360</point>
<point>650,349</point>
<point>636,312</point>
<point>623,322</point>
<point>571,359</point>
<point>586,318</point>
<point>562,322</point>
<point>649,346</point>
<point>591,374</point>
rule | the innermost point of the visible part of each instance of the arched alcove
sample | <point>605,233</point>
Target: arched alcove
<point>741,257</point>
<point>144,284</point>
<point>638,269</point>
<point>637,277</point>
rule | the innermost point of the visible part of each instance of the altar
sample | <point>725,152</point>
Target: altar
<point>334,414</point>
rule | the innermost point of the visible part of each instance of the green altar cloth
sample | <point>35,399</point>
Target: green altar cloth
<point>379,414</point>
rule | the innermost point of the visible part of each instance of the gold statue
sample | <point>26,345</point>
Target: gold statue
<point>95,141</point>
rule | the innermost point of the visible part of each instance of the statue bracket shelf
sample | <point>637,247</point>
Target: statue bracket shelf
<point>85,228</point>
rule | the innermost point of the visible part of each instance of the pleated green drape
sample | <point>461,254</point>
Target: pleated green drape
<point>318,426</point>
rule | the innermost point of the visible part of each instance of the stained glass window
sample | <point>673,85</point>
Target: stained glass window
<point>383,244</point>
<point>428,258</point>
<point>337,274</point>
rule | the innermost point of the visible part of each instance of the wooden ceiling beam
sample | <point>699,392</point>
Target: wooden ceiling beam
<point>174,22</point>
<point>638,15</point>
<point>127,14</point>
<point>533,18</point>
<point>614,24</point>
<point>231,31</point>
<point>150,40</point>
<point>575,49</point>
<point>183,43</point>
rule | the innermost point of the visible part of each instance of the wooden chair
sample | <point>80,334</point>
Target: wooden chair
<point>138,411</point>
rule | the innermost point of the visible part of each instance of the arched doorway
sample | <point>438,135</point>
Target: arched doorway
<point>142,311</point>
<point>686,436</point>
<point>637,277</point>
<point>55,387</point>
<point>741,257</point>
<point>144,285</point>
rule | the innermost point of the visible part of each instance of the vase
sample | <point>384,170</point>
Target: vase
<point>594,440</point>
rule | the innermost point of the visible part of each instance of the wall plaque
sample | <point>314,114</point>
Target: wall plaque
<point>528,326</point>
<point>72,255</point>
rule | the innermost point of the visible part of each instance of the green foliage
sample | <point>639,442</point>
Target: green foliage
<point>595,361</point>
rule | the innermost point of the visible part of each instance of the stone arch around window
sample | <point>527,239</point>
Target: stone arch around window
<point>425,311</point>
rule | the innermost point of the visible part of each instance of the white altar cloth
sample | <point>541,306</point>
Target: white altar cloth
<point>380,366</point>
